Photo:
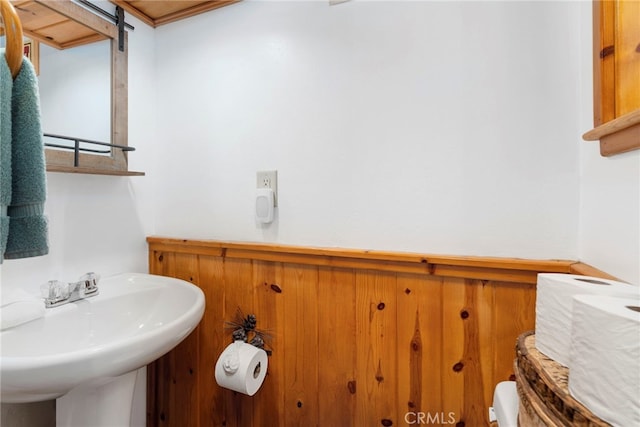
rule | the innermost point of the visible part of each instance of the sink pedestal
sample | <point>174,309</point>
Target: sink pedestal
<point>106,402</point>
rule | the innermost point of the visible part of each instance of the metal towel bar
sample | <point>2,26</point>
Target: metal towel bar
<point>77,149</point>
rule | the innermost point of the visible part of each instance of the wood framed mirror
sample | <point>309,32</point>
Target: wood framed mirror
<point>64,24</point>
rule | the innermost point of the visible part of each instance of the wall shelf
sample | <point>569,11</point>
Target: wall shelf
<point>91,171</point>
<point>619,135</point>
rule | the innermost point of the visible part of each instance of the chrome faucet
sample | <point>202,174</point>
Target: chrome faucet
<point>57,293</point>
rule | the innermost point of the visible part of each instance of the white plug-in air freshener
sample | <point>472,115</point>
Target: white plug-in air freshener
<point>264,205</point>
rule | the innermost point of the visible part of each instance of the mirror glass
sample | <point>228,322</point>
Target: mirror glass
<point>75,92</point>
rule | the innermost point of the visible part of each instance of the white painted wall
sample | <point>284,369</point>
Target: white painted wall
<point>610,213</point>
<point>442,127</point>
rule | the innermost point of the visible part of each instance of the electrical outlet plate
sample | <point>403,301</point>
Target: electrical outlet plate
<point>268,179</point>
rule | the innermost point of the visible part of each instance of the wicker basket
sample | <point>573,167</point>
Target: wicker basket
<point>542,386</point>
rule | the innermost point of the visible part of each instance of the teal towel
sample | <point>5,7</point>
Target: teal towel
<point>28,230</point>
<point>6,85</point>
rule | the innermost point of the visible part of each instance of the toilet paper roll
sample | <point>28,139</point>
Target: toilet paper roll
<point>241,367</point>
<point>554,300</point>
<point>605,350</point>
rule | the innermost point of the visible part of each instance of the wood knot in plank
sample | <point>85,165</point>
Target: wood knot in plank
<point>609,50</point>
<point>275,288</point>
<point>381,306</point>
<point>407,291</point>
<point>299,404</point>
<point>460,424</point>
<point>379,376</point>
<point>386,422</point>
<point>160,258</point>
<point>351,385</point>
<point>458,367</point>
<point>464,314</point>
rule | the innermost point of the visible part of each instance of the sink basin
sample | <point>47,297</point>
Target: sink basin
<point>135,319</point>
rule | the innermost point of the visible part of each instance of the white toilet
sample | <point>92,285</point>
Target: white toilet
<point>505,405</point>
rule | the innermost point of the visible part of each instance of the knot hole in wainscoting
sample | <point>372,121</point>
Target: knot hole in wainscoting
<point>458,367</point>
<point>275,288</point>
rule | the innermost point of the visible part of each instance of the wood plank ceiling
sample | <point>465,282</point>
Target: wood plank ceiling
<point>160,12</point>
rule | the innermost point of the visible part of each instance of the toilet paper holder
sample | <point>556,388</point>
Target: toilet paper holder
<point>242,366</point>
<point>245,330</point>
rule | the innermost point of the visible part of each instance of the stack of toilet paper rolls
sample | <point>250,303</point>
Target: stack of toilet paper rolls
<point>584,323</point>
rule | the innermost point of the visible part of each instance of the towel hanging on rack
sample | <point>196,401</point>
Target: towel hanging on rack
<point>28,229</point>
<point>27,234</point>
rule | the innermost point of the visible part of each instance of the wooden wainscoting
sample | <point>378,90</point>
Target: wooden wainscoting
<point>360,338</point>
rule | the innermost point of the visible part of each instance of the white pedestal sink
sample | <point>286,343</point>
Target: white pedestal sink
<point>86,353</point>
